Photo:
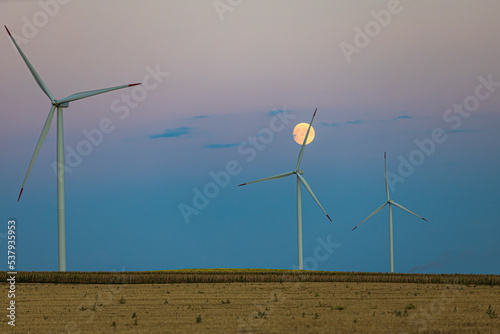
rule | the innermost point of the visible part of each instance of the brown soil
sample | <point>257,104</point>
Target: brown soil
<point>313,307</point>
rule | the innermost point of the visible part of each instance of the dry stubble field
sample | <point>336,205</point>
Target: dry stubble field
<point>315,307</point>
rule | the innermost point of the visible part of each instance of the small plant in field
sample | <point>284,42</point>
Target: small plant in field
<point>340,308</point>
<point>93,307</point>
<point>113,324</point>
<point>275,298</point>
<point>226,302</point>
<point>455,309</point>
<point>83,308</point>
<point>135,322</point>
<point>355,320</point>
<point>122,301</point>
<point>134,316</point>
<point>199,319</point>
<point>316,316</point>
<point>401,314</point>
<point>303,314</point>
<point>316,294</point>
<point>261,315</point>
<point>410,307</point>
<point>166,302</point>
<point>491,312</point>
<point>45,317</point>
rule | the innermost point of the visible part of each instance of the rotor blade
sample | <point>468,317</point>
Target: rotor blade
<point>45,130</point>
<point>308,187</point>
<point>82,95</point>
<point>304,143</point>
<point>374,212</point>
<point>386,184</point>
<point>402,207</point>
<point>278,176</point>
<point>38,79</point>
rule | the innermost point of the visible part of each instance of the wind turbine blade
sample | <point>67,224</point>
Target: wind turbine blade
<point>374,212</point>
<point>301,153</point>
<point>308,187</point>
<point>278,176</point>
<point>402,207</point>
<point>386,184</point>
<point>38,79</point>
<point>82,95</point>
<point>45,130</point>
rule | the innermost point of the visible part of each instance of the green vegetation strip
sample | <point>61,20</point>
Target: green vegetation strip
<point>243,276</point>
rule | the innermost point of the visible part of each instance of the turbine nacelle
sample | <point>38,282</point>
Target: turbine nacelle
<point>57,104</point>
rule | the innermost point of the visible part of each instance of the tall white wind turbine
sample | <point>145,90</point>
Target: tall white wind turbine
<point>391,203</point>
<point>300,179</point>
<point>59,105</point>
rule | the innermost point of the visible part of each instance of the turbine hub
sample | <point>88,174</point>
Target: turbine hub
<point>60,105</point>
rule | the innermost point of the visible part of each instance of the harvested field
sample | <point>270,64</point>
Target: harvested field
<point>316,307</point>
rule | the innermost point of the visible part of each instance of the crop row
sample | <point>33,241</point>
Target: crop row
<point>245,275</point>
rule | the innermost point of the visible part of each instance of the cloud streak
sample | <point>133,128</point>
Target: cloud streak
<point>329,124</point>
<point>171,133</point>
<point>364,121</point>
<point>402,117</point>
<point>275,112</point>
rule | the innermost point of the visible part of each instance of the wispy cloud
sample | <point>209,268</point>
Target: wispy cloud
<point>402,117</point>
<point>329,124</point>
<point>200,116</point>
<point>169,133</point>
<point>221,145</point>
<point>366,121</point>
<point>275,112</point>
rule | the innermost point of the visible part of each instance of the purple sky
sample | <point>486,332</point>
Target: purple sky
<point>223,74</point>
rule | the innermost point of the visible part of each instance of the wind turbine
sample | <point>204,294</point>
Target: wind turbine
<point>300,179</point>
<point>391,203</point>
<point>59,104</point>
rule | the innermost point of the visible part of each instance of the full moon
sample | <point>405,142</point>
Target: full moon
<point>299,133</point>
